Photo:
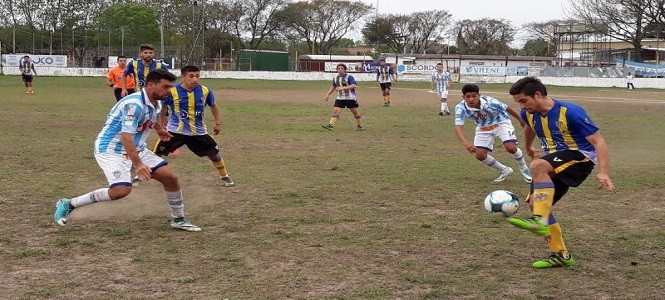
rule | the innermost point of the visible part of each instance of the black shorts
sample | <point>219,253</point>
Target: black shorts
<point>346,103</point>
<point>118,91</point>
<point>386,85</point>
<point>571,168</point>
<point>201,145</point>
<point>27,78</point>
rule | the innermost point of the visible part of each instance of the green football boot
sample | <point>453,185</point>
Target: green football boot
<point>534,224</point>
<point>555,260</point>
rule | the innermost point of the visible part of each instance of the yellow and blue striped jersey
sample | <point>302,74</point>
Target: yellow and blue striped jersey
<point>345,80</point>
<point>140,70</point>
<point>564,127</point>
<point>186,109</point>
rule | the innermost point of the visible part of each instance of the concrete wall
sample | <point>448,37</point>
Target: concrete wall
<point>658,83</point>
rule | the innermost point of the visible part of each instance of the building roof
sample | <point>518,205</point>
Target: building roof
<point>471,57</point>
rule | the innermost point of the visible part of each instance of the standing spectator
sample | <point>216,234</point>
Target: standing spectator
<point>27,68</point>
<point>114,78</point>
<point>629,81</point>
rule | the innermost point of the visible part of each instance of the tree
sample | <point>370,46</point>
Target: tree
<point>417,31</point>
<point>387,30</point>
<point>322,23</point>
<point>537,47</point>
<point>624,20</point>
<point>257,19</point>
<point>426,29</point>
<point>484,37</point>
<point>137,21</point>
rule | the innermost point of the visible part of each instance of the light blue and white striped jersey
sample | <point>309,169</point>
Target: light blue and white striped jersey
<point>491,112</point>
<point>441,80</point>
<point>133,114</point>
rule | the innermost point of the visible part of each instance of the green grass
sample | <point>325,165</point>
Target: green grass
<point>392,212</point>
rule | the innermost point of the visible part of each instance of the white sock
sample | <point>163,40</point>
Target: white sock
<point>176,204</point>
<point>492,162</point>
<point>92,197</point>
<point>443,106</point>
<point>519,157</point>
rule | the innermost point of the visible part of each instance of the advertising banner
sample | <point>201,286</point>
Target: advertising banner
<point>642,69</point>
<point>38,60</point>
<point>493,71</point>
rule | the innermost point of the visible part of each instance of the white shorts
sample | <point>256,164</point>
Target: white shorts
<point>118,167</point>
<point>485,135</point>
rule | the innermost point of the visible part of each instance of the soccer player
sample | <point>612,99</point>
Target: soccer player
<point>186,104</point>
<point>114,78</point>
<point>572,146</point>
<point>140,68</point>
<point>27,68</point>
<point>386,78</point>
<point>441,85</point>
<point>492,119</point>
<point>120,146</point>
<point>345,86</point>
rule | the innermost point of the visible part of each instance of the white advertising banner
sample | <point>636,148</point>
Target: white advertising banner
<point>39,60</point>
<point>416,69</point>
<point>493,71</point>
<point>351,67</point>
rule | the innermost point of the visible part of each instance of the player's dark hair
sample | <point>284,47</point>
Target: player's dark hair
<point>439,64</point>
<point>146,47</point>
<point>383,59</point>
<point>189,69</point>
<point>341,65</point>
<point>155,76</point>
<point>470,88</point>
<point>121,56</point>
<point>528,86</point>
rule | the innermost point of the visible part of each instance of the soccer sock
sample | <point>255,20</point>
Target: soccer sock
<point>359,120</point>
<point>385,99</point>
<point>444,106</point>
<point>388,98</point>
<point>333,119</point>
<point>176,204</point>
<point>221,167</point>
<point>519,157</point>
<point>90,198</point>
<point>492,162</point>
<point>555,240</point>
<point>542,197</point>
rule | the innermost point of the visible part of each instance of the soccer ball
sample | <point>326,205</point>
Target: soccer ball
<point>502,202</point>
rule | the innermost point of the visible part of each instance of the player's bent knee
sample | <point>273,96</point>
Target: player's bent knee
<point>540,166</point>
<point>119,192</point>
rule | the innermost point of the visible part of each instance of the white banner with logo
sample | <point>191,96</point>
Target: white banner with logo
<point>351,67</point>
<point>416,69</point>
<point>39,60</point>
<point>493,71</point>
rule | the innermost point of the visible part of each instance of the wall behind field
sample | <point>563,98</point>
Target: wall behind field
<point>657,83</point>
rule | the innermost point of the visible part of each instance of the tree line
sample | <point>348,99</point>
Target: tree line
<point>220,28</point>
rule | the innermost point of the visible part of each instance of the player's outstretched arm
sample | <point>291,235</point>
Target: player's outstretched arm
<point>459,131</point>
<point>603,153</point>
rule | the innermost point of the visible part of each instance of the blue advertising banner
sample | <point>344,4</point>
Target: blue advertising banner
<point>642,69</point>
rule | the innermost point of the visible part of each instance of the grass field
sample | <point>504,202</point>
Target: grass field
<point>394,212</point>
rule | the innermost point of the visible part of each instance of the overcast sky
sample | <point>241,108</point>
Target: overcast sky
<point>518,12</point>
